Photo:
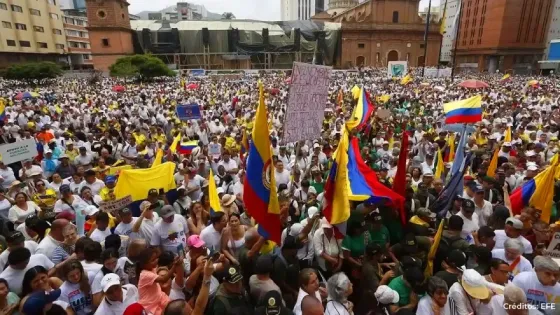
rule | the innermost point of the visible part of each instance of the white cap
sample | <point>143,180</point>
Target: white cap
<point>110,280</point>
<point>385,142</point>
<point>507,144</point>
<point>316,145</point>
<point>91,210</point>
<point>530,153</point>
<point>312,190</point>
<point>386,295</point>
<point>312,211</point>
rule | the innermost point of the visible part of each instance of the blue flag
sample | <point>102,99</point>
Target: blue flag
<point>452,189</point>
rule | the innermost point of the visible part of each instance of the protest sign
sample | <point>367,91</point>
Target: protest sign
<point>397,69</point>
<point>197,72</point>
<point>306,102</point>
<point>188,111</point>
<point>115,205</point>
<point>553,249</point>
<point>18,151</point>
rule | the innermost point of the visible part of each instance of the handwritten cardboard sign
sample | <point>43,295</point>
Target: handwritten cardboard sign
<point>306,102</point>
<point>115,205</point>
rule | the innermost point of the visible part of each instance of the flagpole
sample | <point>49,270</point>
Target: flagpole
<point>444,19</point>
<point>457,33</point>
<point>426,37</point>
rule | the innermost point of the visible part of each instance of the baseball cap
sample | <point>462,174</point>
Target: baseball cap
<point>135,309</point>
<point>474,284</point>
<point>111,179</point>
<point>507,144</point>
<point>64,188</point>
<point>457,258</point>
<point>272,302</point>
<point>167,211</point>
<point>468,204</point>
<point>373,249</point>
<point>125,211</point>
<point>312,211</point>
<point>515,223</point>
<point>153,191</point>
<point>233,275</point>
<point>410,244</point>
<point>195,241</point>
<point>386,295</point>
<point>37,301</point>
<point>15,237</point>
<point>110,280</point>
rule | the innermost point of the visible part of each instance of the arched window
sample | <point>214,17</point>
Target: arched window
<point>395,16</point>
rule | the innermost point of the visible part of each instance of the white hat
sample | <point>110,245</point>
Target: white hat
<point>530,153</point>
<point>386,295</point>
<point>312,211</point>
<point>484,130</point>
<point>385,142</point>
<point>507,144</point>
<point>227,200</point>
<point>91,210</point>
<point>316,145</point>
<point>110,280</point>
<point>474,284</point>
<point>312,190</point>
<point>220,190</point>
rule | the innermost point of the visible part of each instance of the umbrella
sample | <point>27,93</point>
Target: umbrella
<point>473,84</point>
<point>118,88</point>
<point>192,86</point>
<point>25,95</point>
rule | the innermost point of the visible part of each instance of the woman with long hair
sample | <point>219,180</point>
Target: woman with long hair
<point>233,238</point>
<point>152,298</point>
<point>22,209</point>
<point>110,264</point>
<point>75,290</point>
<point>36,279</point>
<point>197,219</point>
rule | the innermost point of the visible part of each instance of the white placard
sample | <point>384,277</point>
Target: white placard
<point>18,151</point>
<point>115,205</point>
<point>306,102</point>
<point>397,69</point>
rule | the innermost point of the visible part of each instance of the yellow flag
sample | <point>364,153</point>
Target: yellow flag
<point>429,271</point>
<point>451,145</point>
<point>544,190</point>
<point>158,158</point>
<point>138,182</point>
<point>356,92</point>
<point>493,164</point>
<point>173,146</point>
<point>440,165</point>
<point>57,108</point>
<point>507,136</point>
<point>215,205</point>
<point>407,79</point>
<point>443,20</point>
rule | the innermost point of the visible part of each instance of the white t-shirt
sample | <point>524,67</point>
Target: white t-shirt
<point>130,296</point>
<point>211,237</point>
<point>425,307</point>
<point>147,227</point>
<point>14,277</point>
<point>523,265</point>
<point>125,228</point>
<point>47,246</point>
<point>336,308</point>
<point>536,292</point>
<point>78,300</point>
<point>99,236</point>
<point>95,186</point>
<point>301,295</point>
<point>96,284</point>
<point>61,206</point>
<point>501,238</point>
<point>469,225</point>
<point>484,213</point>
<point>31,245</point>
<point>163,232</point>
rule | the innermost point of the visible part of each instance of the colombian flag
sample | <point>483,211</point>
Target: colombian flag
<point>213,194</point>
<point>505,78</point>
<point>187,147</point>
<point>2,109</point>
<point>173,147</point>
<point>259,195</point>
<point>537,192</point>
<point>463,111</point>
<point>361,113</point>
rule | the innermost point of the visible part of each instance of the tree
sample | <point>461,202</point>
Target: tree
<point>228,16</point>
<point>34,71</point>
<point>141,66</point>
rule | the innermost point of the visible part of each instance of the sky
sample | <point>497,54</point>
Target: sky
<point>242,9</point>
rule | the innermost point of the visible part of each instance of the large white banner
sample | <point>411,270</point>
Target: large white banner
<point>437,73</point>
<point>18,151</point>
<point>306,102</point>
<point>397,69</point>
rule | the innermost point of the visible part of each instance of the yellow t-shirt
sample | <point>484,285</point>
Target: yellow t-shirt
<point>45,200</point>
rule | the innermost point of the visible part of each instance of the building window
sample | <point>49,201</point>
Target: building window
<point>54,16</point>
<point>56,31</point>
<point>395,16</point>
<point>86,57</point>
<point>101,14</point>
<point>21,27</point>
<point>42,45</point>
<point>16,8</point>
<point>105,42</point>
<point>3,6</point>
<point>377,57</point>
<point>80,22</point>
<point>6,24</point>
<point>34,12</point>
<point>39,29</point>
<point>73,44</point>
<point>59,46</point>
<point>25,43</point>
<point>52,2</point>
<point>421,46</point>
<point>84,45</point>
<point>361,45</point>
<point>11,42</point>
<point>72,33</point>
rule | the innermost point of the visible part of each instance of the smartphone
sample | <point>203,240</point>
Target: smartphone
<point>214,255</point>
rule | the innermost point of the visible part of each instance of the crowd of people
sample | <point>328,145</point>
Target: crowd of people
<point>175,255</point>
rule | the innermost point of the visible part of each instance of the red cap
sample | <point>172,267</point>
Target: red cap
<point>135,309</point>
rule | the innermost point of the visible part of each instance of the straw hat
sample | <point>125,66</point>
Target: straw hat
<point>474,284</point>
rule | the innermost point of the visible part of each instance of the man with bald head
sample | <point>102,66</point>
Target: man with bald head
<point>311,306</point>
<point>53,239</point>
<point>249,253</point>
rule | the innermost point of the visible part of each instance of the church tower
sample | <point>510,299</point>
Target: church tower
<point>109,29</point>
<point>340,6</point>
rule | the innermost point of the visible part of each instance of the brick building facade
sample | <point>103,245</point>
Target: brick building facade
<point>376,32</point>
<point>109,31</point>
<point>505,35</point>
